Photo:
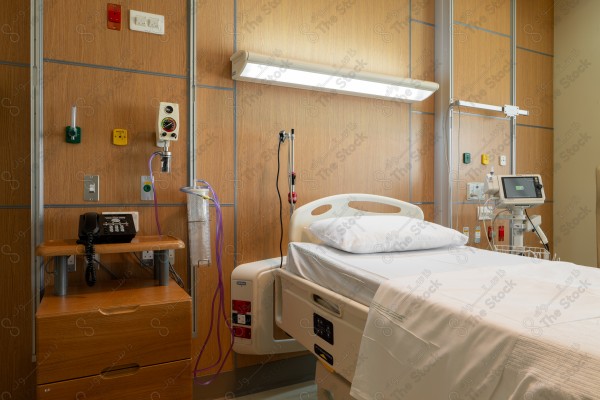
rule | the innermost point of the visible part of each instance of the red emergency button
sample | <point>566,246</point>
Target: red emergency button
<point>241,306</point>
<point>242,332</point>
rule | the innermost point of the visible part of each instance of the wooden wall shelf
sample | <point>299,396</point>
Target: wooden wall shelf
<point>63,248</point>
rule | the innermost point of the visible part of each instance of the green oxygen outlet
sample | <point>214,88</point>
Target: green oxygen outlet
<point>73,135</point>
<point>467,158</point>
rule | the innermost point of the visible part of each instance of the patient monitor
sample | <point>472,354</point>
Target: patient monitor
<point>516,190</point>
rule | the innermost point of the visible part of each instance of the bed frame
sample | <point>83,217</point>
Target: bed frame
<point>324,322</point>
<point>298,302</point>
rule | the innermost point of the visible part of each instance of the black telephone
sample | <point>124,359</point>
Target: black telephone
<point>97,228</point>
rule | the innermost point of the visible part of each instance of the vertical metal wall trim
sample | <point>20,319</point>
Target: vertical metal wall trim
<point>410,132</point>
<point>513,93</point>
<point>444,59</point>
<point>235,153</point>
<point>36,62</point>
<point>513,85</point>
<point>192,144</point>
<point>235,143</point>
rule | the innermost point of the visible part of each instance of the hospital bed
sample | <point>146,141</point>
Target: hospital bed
<point>451,322</point>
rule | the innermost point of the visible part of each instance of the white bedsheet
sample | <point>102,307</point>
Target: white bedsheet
<point>529,331</point>
<point>358,276</point>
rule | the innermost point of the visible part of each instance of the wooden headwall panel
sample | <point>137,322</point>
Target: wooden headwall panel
<point>107,100</point>
<point>481,66</point>
<point>17,372</point>
<point>14,37</point>
<point>76,31</point>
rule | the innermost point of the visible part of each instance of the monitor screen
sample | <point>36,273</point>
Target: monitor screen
<point>520,187</point>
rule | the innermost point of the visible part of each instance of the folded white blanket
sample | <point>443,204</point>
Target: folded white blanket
<point>529,331</point>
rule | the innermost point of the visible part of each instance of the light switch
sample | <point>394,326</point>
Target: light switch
<point>91,188</point>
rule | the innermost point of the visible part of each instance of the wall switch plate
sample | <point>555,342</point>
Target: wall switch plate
<point>146,22</point>
<point>475,191</point>
<point>485,213</point>
<point>91,188</point>
<point>502,160</point>
<point>485,159</point>
<point>146,188</point>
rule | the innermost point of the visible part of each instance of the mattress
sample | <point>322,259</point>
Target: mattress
<point>358,276</point>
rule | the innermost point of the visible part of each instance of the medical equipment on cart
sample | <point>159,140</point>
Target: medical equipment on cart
<point>516,193</point>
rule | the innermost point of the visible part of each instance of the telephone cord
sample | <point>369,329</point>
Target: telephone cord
<point>90,271</point>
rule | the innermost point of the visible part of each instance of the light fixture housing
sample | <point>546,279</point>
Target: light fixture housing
<point>254,67</point>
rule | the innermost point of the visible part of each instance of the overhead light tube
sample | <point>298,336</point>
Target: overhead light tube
<point>254,67</point>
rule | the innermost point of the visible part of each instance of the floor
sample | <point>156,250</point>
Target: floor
<point>301,391</point>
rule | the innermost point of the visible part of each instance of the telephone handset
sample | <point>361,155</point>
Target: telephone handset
<point>97,228</point>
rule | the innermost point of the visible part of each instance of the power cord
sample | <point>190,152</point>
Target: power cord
<point>537,233</point>
<point>90,271</point>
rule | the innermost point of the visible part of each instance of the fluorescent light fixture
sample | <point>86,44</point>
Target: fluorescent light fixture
<point>253,67</point>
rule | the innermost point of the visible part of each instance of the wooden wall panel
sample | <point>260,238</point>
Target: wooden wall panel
<point>482,66</point>
<point>477,135</point>
<point>215,37</point>
<point>423,10</point>
<point>421,157</point>
<point>535,25</point>
<point>14,119</point>
<point>215,141</point>
<point>350,145</point>
<point>493,15</point>
<point>535,155</point>
<point>14,34</point>
<point>108,100</point>
<point>342,34</point>
<point>535,88</point>
<point>88,40</point>
<point>423,60</point>
<point>17,372</point>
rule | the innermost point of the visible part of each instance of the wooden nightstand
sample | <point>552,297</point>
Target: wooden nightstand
<point>125,339</point>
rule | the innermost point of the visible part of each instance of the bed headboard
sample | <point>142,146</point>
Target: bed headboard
<point>340,207</point>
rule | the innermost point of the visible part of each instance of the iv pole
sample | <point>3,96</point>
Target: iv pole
<point>292,196</point>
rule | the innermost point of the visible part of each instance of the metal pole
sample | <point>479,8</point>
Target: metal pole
<point>61,281</point>
<point>36,60</point>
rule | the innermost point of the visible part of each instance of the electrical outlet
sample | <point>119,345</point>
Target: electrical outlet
<point>475,191</point>
<point>146,22</point>
<point>172,257</point>
<point>72,263</point>
<point>148,258</point>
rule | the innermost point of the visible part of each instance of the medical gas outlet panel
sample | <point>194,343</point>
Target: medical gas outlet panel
<point>168,124</point>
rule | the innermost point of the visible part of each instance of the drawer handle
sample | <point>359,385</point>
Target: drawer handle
<point>119,371</point>
<point>119,310</point>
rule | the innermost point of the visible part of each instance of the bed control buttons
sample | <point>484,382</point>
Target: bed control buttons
<point>323,328</point>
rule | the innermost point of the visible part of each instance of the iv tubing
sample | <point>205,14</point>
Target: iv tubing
<point>220,292</point>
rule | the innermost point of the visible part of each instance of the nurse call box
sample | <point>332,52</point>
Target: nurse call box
<point>521,191</point>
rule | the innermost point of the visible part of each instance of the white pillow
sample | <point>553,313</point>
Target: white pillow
<point>384,233</point>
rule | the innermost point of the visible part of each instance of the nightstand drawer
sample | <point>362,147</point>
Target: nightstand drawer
<point>170,381</point>
<point>110,334</point>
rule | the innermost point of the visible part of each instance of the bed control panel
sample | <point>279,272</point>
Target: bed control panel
<point>325,356</point>
<point>323,328</point>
